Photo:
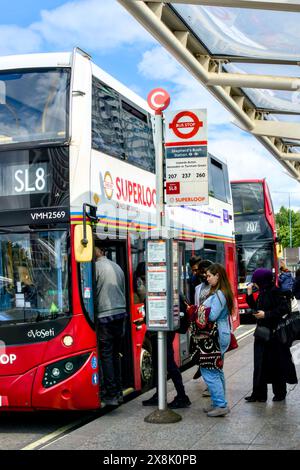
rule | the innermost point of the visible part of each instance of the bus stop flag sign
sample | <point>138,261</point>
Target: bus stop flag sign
<point>186,157</point>
<point>158,100</point>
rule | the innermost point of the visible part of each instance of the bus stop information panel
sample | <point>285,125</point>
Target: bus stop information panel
<point>162,285</point>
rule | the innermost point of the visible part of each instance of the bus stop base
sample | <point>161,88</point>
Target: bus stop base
<point>163,417</point>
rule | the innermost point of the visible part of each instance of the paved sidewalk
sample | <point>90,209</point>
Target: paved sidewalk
<point>271,425</point>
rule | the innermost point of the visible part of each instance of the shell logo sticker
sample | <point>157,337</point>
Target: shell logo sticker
<point>108,185</point>
<point>96,199</point>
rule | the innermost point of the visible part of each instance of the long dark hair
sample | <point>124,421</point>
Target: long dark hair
<point>223,284</point>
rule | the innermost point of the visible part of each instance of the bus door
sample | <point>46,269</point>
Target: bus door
<point>182,356</point>
<point>116,250</point>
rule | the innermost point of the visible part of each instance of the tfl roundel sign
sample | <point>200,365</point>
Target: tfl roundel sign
<point>158,99</point>
<point>185,124</point>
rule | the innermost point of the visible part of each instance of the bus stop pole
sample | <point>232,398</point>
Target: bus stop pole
<point>163,414</point>
<point>160,221</point>
<point>162,370</point>
<point>160,218</point>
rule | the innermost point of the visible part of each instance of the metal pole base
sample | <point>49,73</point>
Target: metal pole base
<point>163,417</point>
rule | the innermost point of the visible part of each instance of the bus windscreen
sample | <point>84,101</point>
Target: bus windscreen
<point>248,198</point>
<point>33,276</point>
<point>34,105</point>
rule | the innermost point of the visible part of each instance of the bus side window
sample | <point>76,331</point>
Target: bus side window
<point>107,134</point>
<point>138,138</point>
<point>87,288</point>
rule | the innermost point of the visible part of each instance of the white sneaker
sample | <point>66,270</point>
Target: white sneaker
<point>217,411</point>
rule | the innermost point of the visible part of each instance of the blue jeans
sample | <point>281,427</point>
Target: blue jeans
<point>215,380</point>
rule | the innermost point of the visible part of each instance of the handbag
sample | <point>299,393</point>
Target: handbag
<point>233,341</point>
<point>288,329</point>
<point>262,333</point>
<point>207,351</point>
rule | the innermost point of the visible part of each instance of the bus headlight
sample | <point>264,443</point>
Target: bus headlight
<point>69,366</point>
<point>62,370</point>
<point>55,372</point>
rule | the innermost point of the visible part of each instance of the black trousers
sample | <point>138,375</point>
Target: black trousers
<point>260,380</point>
<point>172,367</point>
<point>110,336</point>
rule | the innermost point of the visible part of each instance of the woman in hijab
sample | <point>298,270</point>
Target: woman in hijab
<point>272,360</point>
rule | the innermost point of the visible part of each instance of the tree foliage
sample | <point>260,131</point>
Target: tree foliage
<point>283,226</point>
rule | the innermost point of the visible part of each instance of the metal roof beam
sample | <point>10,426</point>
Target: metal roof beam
<point>266,142</point>
<point>279,129</point>
<point>291,156</point>
<point>255,60</point>
<point>254,81</point>
<point>278,111</point>
<point>278,5</point>
<point>283,130</point>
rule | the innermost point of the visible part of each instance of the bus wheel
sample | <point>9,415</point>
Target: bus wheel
<point>146,365</point>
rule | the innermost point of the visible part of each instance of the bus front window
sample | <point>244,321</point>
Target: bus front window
<point>250,258</point>
<point>33,276</point>
<point>33,105</point>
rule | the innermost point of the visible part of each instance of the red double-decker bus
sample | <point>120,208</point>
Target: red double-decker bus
<point>255,233</point>
<point>76,146</point>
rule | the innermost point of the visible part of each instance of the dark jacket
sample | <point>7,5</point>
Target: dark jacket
<point>272,302</point>
<point>273,360</point>
<point>296,288</point>
<point>286,281</point>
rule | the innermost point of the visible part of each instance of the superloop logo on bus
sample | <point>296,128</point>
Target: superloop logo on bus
<point>129,191</point>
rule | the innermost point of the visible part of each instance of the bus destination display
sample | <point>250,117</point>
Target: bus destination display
<point>24,179</point>
<point>247,227</point>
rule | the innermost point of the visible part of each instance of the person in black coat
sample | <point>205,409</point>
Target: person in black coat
<point>272,360</point>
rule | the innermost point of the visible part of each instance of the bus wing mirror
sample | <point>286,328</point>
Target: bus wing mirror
<point>83,245</point>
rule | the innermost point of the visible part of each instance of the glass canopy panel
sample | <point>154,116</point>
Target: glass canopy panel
<point>244,32</point>
<point>274,99</point>
<point>277,100</point>
<point>285,117</point>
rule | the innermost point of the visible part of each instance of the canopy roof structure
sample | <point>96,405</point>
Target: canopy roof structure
<point>246,53</point>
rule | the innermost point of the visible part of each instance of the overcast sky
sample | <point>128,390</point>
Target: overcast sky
<point>119,45</point>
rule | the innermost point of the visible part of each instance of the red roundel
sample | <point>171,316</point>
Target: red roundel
<point>178,124</point>
<point>158,99</point>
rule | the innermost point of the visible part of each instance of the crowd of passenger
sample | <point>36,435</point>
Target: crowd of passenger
<point>209,308</point>
<point>206,311</point>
